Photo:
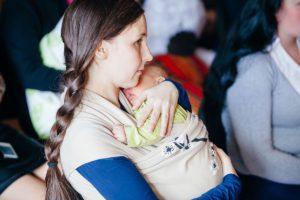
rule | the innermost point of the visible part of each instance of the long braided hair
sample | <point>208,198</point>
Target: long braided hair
<point>86,23</point>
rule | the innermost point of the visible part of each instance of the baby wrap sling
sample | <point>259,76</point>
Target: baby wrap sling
<point>181,166</point>
<point>140,136</point>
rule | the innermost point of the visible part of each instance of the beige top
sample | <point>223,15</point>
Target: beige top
<point>172,172</point>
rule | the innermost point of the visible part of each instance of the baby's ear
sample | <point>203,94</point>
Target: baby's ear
<point>159,79</point>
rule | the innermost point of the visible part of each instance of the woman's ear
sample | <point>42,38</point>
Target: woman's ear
<point>101,53</point>
<point>102,50</point>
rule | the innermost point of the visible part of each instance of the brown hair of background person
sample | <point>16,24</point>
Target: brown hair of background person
<point>113,17</point>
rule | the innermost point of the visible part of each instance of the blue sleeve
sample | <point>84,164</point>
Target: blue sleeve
<point>117,178</point>
<point>228,190</point>
<point>183,99</point>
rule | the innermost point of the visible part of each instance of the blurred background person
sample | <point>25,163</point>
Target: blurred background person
<point>23,25</point>
<point>24,174</point>
<point>228,12</point>
<point>248,95</point>
<point>174,28</point>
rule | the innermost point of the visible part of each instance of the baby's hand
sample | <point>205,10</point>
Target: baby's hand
<point>119,133</point>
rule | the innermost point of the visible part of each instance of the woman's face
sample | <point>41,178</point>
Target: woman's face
<point>288,18</point>
<point>127,54</point>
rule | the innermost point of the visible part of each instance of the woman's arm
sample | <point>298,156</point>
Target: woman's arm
<point>116,178</point>
<point>250,107</point>
<point>230,188</point>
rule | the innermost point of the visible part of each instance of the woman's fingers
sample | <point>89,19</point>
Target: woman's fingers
<point>154,118</point>
<point>223,156</point>
<point>226,162</point>
<point>164,119</point>
<point>139,101</point>
<point>145,112</point>
<point>171,118</point>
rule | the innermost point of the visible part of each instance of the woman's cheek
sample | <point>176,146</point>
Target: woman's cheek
<point>137,56</point>
<point>296,24</point>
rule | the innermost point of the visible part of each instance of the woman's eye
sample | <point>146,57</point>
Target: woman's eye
<point>138,42</point>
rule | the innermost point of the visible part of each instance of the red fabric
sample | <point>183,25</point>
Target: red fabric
<point>190,71</point>
<point>69,2</point>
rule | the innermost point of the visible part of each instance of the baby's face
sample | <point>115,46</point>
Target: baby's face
<point>148,79</point>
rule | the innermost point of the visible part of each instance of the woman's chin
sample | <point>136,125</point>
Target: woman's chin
<point>131,84</point>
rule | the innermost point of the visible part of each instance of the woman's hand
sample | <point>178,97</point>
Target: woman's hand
<point>161,101</point>
<point>226,162</point>
<point>2,87</point>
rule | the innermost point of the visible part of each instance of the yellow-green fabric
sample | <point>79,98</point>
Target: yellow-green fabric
<point>43,105</point>
<point>140,136</point>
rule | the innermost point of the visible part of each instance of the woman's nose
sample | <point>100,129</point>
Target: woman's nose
<point>147,55</point>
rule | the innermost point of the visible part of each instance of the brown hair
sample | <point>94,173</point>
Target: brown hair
<point>86,23</point>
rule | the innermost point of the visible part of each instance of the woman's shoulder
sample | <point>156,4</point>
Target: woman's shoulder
<point>259,63</point>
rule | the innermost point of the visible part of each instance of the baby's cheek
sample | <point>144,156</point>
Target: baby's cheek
<point>126,92</point>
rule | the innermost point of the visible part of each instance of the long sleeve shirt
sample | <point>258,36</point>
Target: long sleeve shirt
<point>262,121</point>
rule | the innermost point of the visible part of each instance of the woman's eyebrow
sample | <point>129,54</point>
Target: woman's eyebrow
<point>144,34</point>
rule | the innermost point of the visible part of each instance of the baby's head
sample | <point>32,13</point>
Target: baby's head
<point>152,75</point>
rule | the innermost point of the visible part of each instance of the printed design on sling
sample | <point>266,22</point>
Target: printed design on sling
<point>180,143</point>
<point>214,165</point>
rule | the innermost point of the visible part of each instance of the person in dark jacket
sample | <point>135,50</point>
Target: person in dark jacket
<point>23,169</point>
<point>23,24</point>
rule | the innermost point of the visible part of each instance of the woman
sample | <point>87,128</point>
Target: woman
<point>252,92</point>
<point>105,50</point>
<point>24,174</point>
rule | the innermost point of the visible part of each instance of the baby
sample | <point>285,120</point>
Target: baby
<point>138,137</point>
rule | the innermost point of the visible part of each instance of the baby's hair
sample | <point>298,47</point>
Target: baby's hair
<point>86,23</point>
<point>156,64</point>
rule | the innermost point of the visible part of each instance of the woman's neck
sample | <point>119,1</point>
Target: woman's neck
<point>107,91</point>
<point>290,45</point>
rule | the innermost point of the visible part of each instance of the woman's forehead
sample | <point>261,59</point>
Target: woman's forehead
<point>136,29</point>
